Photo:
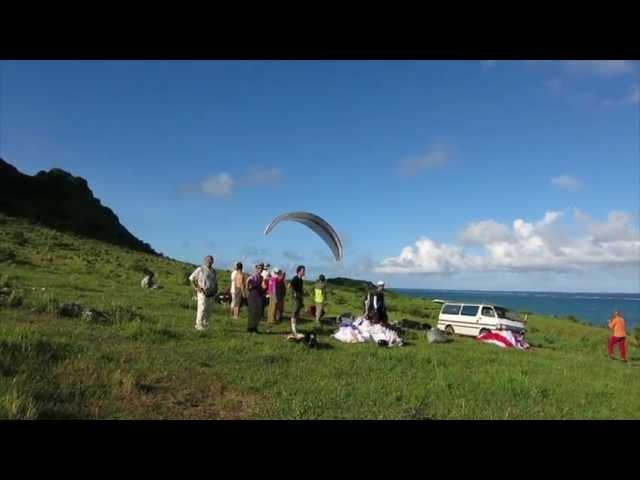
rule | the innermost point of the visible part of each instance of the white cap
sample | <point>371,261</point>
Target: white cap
<point>380,283</point>
<point>276,270</point>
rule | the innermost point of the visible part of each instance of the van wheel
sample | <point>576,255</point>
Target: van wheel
<point>484,330</point>
<point>449,330</point>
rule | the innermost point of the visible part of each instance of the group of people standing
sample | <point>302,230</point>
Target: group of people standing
<point>262,289</point>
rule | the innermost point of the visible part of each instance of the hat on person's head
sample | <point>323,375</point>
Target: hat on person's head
<point>276,270</point>
<point>260,264</point>
<point>380,283</point>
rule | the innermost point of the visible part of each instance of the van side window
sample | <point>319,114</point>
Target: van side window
<point>488,312</point>
<point>451,309</point>
<point>470,310</point>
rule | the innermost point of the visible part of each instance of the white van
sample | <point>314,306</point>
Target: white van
<point>474,319</point>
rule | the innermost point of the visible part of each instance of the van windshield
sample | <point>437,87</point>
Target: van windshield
<point>507,314</point>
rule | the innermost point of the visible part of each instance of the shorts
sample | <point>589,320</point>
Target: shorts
<point>236,299</point>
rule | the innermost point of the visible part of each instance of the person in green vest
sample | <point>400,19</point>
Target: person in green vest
<point>320,294</point>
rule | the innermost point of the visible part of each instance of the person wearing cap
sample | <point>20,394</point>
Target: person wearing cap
<point>205,282</point>
<point>273,280</point>
<point>379,307</point>
<point>255,299</point>
<point>619,335</point>
<point>320,297</point>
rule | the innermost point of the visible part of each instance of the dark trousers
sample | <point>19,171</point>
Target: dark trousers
<point>256,311</point>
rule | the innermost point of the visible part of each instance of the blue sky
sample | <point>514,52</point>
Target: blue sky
<point>437,174</point>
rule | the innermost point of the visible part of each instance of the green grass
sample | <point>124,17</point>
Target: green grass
<point>147,361</point>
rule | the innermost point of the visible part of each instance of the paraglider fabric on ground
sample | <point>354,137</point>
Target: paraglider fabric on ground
<point>362,330</point>
<point>504,339</point>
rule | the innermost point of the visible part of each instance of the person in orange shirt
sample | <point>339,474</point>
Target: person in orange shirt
<point>619,336</point>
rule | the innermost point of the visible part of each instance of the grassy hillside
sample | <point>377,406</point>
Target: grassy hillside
<point>145,360</point>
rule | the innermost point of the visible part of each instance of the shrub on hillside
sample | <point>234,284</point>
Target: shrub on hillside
<point>5,281</point>
<point>19,238</point>
<point>7,254</point>
<point>12,299</point>
<point>44,303</point>
<point>122,314</point>
<point>183,279</point>
<point>138,266</point>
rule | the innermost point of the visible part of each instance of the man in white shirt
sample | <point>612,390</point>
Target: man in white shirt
<point>205,282</point>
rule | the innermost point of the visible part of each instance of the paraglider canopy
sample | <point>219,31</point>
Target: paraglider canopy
<point>315,223</point>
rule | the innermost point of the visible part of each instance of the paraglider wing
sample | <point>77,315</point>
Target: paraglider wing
<point>315,223</point>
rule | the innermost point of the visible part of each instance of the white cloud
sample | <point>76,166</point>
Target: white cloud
<point>436,157</point>
<point>603,68</point>
<point>554,84</point>
<point>292,256</point>
<point>485,231</point>
<point>566,182</point>
<point>527,246</point>
<point>223,184</point>
<point>632,98</point>
<point>618,227</point>
<point>427,256</point>
<point>263,176</point>
<point>220,185</point>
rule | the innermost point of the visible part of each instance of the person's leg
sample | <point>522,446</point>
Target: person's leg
<point>260,315</point>
<point>271,314</point>
<point>237,298</point>
<point>318,312</point>
<point>251,307</point>
<point>232,306</point>
<point>297,308</point>
<point>200,310</point>
<point>623,348</point>
<point>612,342</point>
<point>277,313</point>
<point>208,306</point>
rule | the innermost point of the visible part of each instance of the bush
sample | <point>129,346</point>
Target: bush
<point>187,305</point>
<point>138,266</point>
<point>15,300</point>
<point>184,279</point>
<point>46,303</point>
<point>7,254</point>
<point>5,281</point>
<point>123,314</point>
<point>19,238</point>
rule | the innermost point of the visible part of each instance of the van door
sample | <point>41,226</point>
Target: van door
<point>469,318</point>
<point>488,318</point>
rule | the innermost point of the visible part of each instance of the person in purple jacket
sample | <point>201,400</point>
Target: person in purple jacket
<point>255,299</point>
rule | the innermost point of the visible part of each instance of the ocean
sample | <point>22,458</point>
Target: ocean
<point>594,308</point>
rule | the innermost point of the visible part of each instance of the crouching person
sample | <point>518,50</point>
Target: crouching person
<point>149,281</point>
<point>205,283</point>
